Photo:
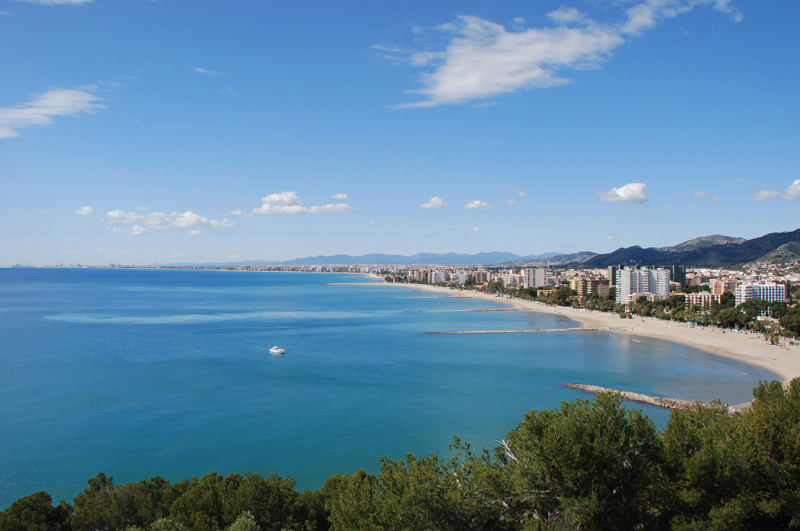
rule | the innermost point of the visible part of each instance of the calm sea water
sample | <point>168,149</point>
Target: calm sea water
<point>139,373</point>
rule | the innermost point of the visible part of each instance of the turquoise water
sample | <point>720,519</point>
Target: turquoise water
<point>152,372</point>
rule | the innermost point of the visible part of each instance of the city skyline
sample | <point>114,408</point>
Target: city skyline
<point>164,131</point>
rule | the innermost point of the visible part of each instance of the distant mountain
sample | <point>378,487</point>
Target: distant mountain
<point>703,241</point>
<point>700,256</point>
<point>788,252</point>
<point>552,259</point>
<point>396,259</point>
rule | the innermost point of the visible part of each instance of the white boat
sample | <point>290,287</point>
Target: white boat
<point>276,350</point>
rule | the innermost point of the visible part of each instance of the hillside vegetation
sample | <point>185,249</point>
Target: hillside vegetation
<point>590,465</point>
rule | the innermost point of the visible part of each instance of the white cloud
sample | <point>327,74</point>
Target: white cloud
<point>206,72</point>
<point>289,204</point>
<point>609,238</point>
<point>241,213</point>
<point>793,192</point>
<point>477,205</point>
<point>510,202</point>
<point>42,110</point>
<point>338,207</point>
<point>339,196</point>
<point>705,195</point>
<point>434,203</point>
<point>85,211</point>
<point>481,59</point>
<point>279,210</point>
<point>477,229</point>
<point>521,194</point>
<point>630,193</point>
<point>58,2</point>
<point>766,195</point>
<point>144,208</point>
<point>159,220</point>
<point>282,198</point>
<point>194,232</point>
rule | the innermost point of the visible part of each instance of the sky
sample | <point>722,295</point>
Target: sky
<point>161,131</point>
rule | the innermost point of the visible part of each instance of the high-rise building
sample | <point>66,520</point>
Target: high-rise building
<point>678,274</point>
<point>534,278</point>
<point>612,275</point>
<point>770,292</point>
<point>633,282</point>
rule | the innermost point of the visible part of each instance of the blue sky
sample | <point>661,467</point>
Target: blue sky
<point>141,131</point>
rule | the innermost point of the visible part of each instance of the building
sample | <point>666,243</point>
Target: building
<point>702,299</point>
<point>678,274</point>
<point>437,277</point>
<point>534,277</point>
<point>770,292</point>
<point>718,287</point>
<point>612,275</point>
<point>586,286</point>
<point>635,282</point>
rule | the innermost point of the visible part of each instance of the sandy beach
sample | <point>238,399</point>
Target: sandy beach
<point>748,348</point>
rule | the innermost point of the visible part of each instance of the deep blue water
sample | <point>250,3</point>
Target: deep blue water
<point>152,372</point>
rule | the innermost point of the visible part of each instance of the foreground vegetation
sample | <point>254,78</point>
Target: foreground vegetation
<point>592,465</point>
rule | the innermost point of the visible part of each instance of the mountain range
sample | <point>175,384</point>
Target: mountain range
<point>707,251</point>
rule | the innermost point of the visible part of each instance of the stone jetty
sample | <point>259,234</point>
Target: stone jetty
<point>660,401</point>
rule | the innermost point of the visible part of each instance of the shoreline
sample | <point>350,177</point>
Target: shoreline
<point>747,348</point>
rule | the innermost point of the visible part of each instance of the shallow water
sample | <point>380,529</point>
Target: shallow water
<point>153,372</point>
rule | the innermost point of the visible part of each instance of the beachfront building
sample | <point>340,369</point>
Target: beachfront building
<point>586,286</point>
<point>720,286</point>
<point>632,283</point>
<point>770,292</point>
<point>702,299</point>
<point>438,277</point>
<point>534,277</point>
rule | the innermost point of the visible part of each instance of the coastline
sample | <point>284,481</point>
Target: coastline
<point>747,348</point>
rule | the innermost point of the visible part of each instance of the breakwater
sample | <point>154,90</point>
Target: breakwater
<point>660,401</point>
<point>526,331</point>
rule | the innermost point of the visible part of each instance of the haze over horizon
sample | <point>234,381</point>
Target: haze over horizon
<point>172,131</point>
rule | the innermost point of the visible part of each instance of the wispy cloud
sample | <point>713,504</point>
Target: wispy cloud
<point>477,229</point>
<point>84,211</point>
<point>521,194</point>
<point>206,72</point>
<point>58,2</point>
<point>434,203</point>
<point>510,202</point>
<point>630,193</point>
<point>480,59</point>
<point>158,220</point>
<point>705,195</point>
<point>45,107</point>
<point>610,238</point>
<point>289,204</point>
<point>477,205</point>
<point>792,193</point>
<point>229,92</point>
<point>339,196</point>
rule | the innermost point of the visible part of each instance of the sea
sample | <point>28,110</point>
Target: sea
<point>139,372</point>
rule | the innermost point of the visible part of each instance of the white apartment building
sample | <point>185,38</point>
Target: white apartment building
<point>632,282</point>
<point>438,277</point>
<point>534,277</point>
<point>770,292</point>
